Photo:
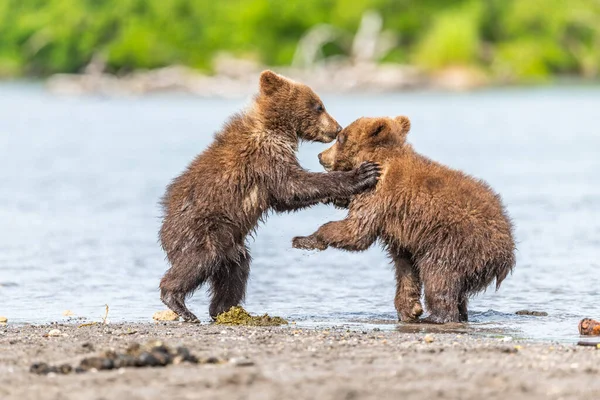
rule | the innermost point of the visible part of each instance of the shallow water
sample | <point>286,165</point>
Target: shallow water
<point>80,180</point>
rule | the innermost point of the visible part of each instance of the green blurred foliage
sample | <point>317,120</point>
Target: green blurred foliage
<point>512,39</point>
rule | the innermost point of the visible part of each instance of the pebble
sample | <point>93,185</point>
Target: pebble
<point>428,339</point>
<point>54,333</point>
<point>165,315</point>
<point>68,313</point>
<point>242,362</point>
<point>3,320</point>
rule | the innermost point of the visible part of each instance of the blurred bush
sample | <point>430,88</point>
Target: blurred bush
<point>512,39</point>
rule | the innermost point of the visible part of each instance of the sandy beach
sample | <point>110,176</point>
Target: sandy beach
<point>288,362</point>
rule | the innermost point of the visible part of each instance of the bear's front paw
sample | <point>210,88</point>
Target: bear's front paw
<point>367,175</point>
<point>307,243</point>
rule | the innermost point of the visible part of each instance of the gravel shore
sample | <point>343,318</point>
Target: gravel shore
<point>289,362</point>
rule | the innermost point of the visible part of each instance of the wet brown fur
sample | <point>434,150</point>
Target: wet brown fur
<point>249,169</point>
<point>444,230</point>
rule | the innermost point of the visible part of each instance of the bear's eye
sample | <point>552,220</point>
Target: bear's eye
<point>319,108</point>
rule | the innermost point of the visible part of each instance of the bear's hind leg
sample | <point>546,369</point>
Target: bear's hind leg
<point>408,289</point>
<point>463,314</point>
<point>442,295</point>
<point>228,283</point>
<point>176,302</point>
<point>179,282</point>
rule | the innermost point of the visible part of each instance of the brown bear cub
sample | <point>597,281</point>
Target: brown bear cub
<point>249,169</point>
<point>444,230</point>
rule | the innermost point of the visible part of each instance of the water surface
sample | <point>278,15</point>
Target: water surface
<point>80,181</point>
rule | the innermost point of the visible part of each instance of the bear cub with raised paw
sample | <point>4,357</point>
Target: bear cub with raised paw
<point>249,169</point>
<point>447,232</point>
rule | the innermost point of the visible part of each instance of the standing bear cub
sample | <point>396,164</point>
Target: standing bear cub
<point>249,169</point>
<point>444,230</point>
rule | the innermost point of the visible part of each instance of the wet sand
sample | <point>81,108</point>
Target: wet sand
<point>288,362</point>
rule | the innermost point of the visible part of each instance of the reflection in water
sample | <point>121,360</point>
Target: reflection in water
<point>81,179</point>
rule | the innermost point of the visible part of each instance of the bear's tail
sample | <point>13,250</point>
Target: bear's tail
<point>503,270</point>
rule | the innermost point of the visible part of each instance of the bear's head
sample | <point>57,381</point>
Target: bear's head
<point>366,139</point>
<point>287,106</point>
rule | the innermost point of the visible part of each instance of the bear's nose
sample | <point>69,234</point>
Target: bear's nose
<point>339,129</point>
<point>320,157</point>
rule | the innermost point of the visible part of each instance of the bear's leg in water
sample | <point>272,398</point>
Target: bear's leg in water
<point>442,294</point>
<point>408,289</point>
<point>228,282</point>
<point>463,314</point>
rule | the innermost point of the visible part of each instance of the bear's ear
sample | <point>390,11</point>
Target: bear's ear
<point>270,82</point>
<point>404,124</point>
<point>378,129</point>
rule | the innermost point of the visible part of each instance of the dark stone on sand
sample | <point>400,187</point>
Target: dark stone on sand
<point>39,368</point>
<point>88,346</point>
<point>509,350</point>
<point>153,354</point>
<point>99,363</point>
<point>589,344</point>
<point>124,360</point>
<point>162,358</point>
<point>146,360</point>
<point>44,369</point>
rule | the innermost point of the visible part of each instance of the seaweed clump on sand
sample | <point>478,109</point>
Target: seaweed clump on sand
<point>238,316</point>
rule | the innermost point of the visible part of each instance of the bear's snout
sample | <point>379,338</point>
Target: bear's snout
<point>325,160</point>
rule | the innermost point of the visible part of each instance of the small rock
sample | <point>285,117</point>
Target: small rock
<point>428,339</point>
<point>166,315</point>
<point>97,363</point>
<point>242,362</point>
<point>68,313</point>
<point>65,369</point>
<point>589,344</point>
<point>588,326</point>
<point>532,313</point>
<point>54,333</point>
<point>3,320</point>
<point>183,354</point>
<point>162,358</point>
<point>124,360</point>
<point>39,368</point>
<point>88,346</point>
<point>509,350</point>
<point>147,360</point>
